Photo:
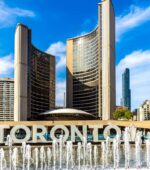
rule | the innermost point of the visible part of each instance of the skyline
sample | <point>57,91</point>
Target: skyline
<point>131,20</point>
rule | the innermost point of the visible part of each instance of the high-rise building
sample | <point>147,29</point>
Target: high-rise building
<point>91,67</point>
<point>34,77</point>
<point>126,92</point>
<point>6,99</point>
<point>144,111</point>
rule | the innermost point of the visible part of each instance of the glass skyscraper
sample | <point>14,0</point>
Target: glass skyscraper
<point>91,67</point>
<point>126,92</point>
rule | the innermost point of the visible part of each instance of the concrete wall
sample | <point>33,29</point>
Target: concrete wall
<point>108,60</point>
<point>21,69</point>
<point>138,124</point>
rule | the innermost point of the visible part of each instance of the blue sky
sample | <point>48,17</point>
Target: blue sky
<point>52,22</point>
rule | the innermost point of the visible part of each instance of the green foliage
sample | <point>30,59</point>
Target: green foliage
<point>122,114</point>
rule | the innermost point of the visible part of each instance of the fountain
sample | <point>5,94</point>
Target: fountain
<point>79,154</point>
<point>15,158</point>
<point>23,150</point>
<point>28,156</point>
<point>36,158</point>
<point>108,154</point>
<point>138,143</point>
<point>148,153</point>
<point>116,149</point>
<point>89,155</point>
<point>2,159</point>
<point>127,148</point>
<point>9,144</point>
<point>49,157</point>
<point>95,156</point>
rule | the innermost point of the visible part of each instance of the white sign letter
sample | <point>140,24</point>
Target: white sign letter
<point>75,130</point>
<point>65,136</point>
<point>13,136</point>
<point>107,131</point>
<point>2,127</point>
<point>95,131</point>
<point>39,134</point>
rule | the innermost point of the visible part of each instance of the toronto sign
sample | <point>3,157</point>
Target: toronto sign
<point>36,133</point>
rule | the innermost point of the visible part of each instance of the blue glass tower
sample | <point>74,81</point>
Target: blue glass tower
<point>126,92</point>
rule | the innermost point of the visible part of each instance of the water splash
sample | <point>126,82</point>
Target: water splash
<point>84,151</point>
<point>148,153</point>
<point>60,151</point>
<point>49,157</point>
<point>2,159</point>
<point>42,157</point>
<point>9,142</point>
<point>127,148</point>
<point>95,156</point>
<point>116,151</point>
<point>28,156</point>
<point>23,149</point>
<point>138,143</point>
<point>54,147</point>
<point>79,154</point>
<point>69,152</point>
<point>15,158</point>
<point>36,158</point>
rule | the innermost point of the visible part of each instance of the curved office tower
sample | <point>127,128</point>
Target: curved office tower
<point>91,67</point>
<point>34,78</point>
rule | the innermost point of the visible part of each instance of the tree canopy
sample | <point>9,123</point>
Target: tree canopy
<point>122,114</point>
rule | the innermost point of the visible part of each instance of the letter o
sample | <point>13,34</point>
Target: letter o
<point>53,130</point>
<point>13,136</point>
<point>107,130</point>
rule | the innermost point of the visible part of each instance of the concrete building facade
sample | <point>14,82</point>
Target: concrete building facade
<point>91,67</point>
<point>6,99</point>
<point>144,111</point>
<point>126,92</point>
<point>34,77</point>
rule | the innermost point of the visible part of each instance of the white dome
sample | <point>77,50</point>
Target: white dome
<point>66,111</point>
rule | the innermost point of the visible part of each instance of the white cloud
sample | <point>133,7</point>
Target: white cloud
<point>7,65</point>
<point>58,49</point>
<point>139,64</point>
<point>9,15</point>
<point>60,90</point>
<point>134,18</point>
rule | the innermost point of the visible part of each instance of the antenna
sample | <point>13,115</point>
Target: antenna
<point>64,100</point>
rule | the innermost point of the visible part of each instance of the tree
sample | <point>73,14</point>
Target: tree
<point>128,115</point>
<point>122,114</point>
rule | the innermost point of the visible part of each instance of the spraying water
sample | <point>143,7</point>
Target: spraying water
<point>15,158</point>
<point>138,143</point>
<point>95,156</point>
<point>82,156</point>
<point>36,157</point>
<point>49,157</point>
<point>2,159</point>
<point>127,148</point>
<point>28,156</point>
<point>60,151</point>
<point>42,157</point>
<point>9,142</point>
<point>79,154</point>
<point>23,154</point>
<point>116,149</point>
